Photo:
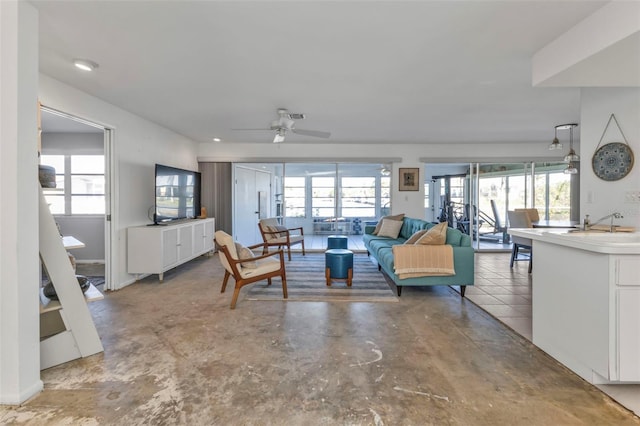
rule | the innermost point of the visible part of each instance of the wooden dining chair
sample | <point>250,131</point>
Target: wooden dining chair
<point>534,216</point>
<point>255,268</point>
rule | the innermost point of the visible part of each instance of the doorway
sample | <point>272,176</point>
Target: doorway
<point>252,195</point>
<point>81,203</point>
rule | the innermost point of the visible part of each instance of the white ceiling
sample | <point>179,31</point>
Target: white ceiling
<point>367,71</point>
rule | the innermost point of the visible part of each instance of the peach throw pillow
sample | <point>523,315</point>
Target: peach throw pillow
<point>416,236</point>
<point>434,236</point>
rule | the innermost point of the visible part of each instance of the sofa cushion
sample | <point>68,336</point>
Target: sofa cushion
<point>376,245</point>
<point>394,217</point>
<point>390,228</point>
<point>436,235</point>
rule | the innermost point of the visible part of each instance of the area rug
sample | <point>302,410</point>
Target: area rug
<point>306,282</point>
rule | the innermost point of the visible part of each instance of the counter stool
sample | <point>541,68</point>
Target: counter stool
<point>339,264</point>
<point>337,242</point>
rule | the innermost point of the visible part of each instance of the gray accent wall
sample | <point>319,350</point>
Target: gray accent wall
<point>216,194</point>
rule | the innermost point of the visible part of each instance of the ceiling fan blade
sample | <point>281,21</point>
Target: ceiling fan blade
<point>315,133</point>
<point>263,129</point>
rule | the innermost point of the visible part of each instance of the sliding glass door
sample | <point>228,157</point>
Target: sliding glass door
<point>329,198</point>
<point>323,198</point>
<point>504,187</point>
<point>477,200</point>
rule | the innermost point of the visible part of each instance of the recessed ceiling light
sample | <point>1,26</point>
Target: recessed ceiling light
<point>85,64</point>
<point>217,140</point>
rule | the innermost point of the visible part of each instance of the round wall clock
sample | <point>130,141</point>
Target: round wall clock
<point>612,161</point>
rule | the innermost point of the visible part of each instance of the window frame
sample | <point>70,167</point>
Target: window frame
<point>67,191</point>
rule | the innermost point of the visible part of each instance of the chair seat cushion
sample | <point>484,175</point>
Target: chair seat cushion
<point>263,266</point>
<point>283,240</point>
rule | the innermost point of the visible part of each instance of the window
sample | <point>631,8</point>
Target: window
<point>358,197</point>
<point>553,193</point>
<point>294,195</point>
<point>385,196</point>
<point>326,190</point>
<point>80,184</point>
<point>427,201</point>
<point>323,196</point>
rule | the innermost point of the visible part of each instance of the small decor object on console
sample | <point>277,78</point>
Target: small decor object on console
<point>614,160</point>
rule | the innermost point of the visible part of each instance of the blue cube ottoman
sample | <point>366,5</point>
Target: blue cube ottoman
<point>339,264</point>
<point>337,242</point>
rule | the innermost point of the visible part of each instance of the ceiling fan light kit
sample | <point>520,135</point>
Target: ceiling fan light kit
<point>279,137</point>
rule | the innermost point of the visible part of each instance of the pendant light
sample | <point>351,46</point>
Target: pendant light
<point>571,158</point>
<point>556,143</point>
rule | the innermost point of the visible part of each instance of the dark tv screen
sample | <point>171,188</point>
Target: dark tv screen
<point>177,194</point>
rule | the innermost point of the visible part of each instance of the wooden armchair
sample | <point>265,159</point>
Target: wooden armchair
<point>264,267</point>
<point>274,235</point>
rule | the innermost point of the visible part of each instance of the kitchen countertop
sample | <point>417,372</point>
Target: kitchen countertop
<point>598,242</point>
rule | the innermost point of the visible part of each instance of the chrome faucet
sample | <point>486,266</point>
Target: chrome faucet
<point>609,216</point>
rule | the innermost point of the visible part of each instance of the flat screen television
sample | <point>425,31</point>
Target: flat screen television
<point>177,194</point>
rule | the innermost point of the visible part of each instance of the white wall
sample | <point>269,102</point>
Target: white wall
<point>599,198</point>
<point>19,261</point>
<point>411,203</point>
<point>138,145</point>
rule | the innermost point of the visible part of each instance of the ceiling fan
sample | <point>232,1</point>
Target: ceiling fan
<point>286,122</point>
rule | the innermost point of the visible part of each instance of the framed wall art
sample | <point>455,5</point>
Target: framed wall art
<point>409,179</point>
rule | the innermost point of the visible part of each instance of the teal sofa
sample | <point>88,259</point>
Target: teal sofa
<point>380,248</point>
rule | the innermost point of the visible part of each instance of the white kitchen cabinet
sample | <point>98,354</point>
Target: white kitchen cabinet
<point>586,303</point>
<point>156,249</point>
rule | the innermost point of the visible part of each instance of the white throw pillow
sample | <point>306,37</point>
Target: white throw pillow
<point>245,253</point>
<point>379,224</point>
<point>390,228</point>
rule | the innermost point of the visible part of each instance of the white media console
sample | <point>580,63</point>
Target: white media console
<point>156,249</point>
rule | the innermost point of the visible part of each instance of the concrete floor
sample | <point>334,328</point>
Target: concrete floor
<point>176,354</point>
